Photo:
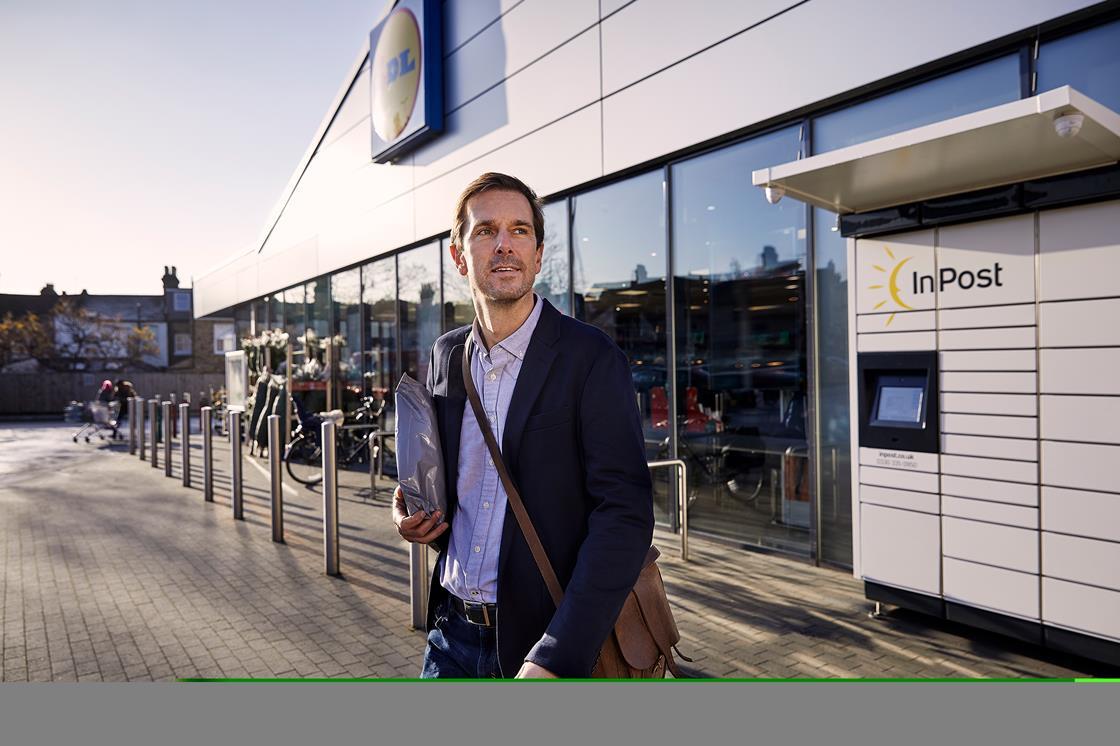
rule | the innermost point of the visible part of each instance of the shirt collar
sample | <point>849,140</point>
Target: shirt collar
<point>517,343</point>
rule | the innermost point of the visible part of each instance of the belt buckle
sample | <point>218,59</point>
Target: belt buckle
<point>475,612</point>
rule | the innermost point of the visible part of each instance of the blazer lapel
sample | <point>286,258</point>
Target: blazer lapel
<point>530,381</point>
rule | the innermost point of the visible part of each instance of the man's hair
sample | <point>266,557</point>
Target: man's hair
<point>500,182</point>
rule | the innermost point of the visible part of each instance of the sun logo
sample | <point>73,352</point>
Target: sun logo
<point>892,284</point>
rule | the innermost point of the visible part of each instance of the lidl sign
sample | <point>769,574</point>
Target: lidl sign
<point>406,78</point>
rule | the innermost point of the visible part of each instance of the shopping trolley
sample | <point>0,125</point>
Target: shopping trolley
<point>99,418</point>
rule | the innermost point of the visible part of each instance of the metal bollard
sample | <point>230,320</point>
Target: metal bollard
<point>418,576</point>
<point>138,406</point>
<point>372,449</point>
<point>185,443</point>
<point>205,415</point>
<point>174,415</point>
<point>275,478</point>
<point>330,499</point>
<point>235,459</point>
<point>131,425</point>
<point>153,431</point>
<point>165,412</point>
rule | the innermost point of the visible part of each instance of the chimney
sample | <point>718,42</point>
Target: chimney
<point>170,278</point>
<point>48,291</point>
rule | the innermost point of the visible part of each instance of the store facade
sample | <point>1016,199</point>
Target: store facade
<point>641,124</point>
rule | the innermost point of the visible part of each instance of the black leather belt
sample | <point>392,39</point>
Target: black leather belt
<point>483,615</point>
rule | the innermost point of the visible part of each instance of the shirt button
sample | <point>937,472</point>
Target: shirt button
<point>493,376</point>
<point>477,549</point>
<point>486,505</point>
<point>489,461</point>
<point>474,593</point>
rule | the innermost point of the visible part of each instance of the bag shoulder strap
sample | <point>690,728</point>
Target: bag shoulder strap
<point>514,497</point>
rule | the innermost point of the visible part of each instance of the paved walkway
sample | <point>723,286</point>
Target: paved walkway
<point>111,571</point>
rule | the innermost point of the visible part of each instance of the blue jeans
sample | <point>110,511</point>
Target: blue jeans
<point>458,649</point>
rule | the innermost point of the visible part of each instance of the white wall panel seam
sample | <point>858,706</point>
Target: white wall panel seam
<point>525,67</point>
<point>469,39</point>
<point>704,49</point>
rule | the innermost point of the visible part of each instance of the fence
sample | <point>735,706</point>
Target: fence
<point>49,393</point>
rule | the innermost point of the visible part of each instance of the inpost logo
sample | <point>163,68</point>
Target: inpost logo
<point>900,286</point>
<point>396,74</point>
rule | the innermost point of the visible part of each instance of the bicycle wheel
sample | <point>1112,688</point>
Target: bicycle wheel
<point>304,460</point>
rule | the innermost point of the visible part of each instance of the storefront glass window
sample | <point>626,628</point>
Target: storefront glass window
<point>553,282</point>
<point>241,322</point>
<point>833,409</point>
<point>418,284</point>
<point>379,304</point>
<point>1088,61</point>
<point>739,286</point>
<point>458,310</point>
<point>346,295</point>
<point>987,84</point>
<point>618,261</point>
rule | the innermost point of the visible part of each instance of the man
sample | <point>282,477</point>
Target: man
<point>560,401</point>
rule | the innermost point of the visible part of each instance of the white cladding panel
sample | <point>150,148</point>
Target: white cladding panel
<point>1079,252</point>
<point>671,32</point>
<point>901,548</point>
<point>1025,405</point>
<point>923,502</point>
<point>528,31</point>
<point>990,543</point>
<point>897,342</point>
<point>1081,560</point>
<point>972,318</point>
<point>1081,607</point>
<point>992,588</point>
<point>982,510</point>
<point>998,253</point>
<point>1084,323</point>
<point>1088,419</point>
<point>982,424</point>
<point>1086,370</point>
<point>1015,493</point>
<point>895,459</point>
<point>1081,466</point>
<point>991,360</point>
<point>899,478</point>
<point>1018,449</point>
<point>1081,513</point>
<point>902,321</point>
<point>463,20</point>
<point>983,382</point>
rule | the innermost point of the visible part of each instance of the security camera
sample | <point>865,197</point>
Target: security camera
<point>1069,125</point>
<point>774,194</point>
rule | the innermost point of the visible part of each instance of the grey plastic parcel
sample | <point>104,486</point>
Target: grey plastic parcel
<point>419,458</point>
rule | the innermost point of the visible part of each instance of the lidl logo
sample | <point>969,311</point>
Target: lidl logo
<point>396,74</point>
<point>898,286</point>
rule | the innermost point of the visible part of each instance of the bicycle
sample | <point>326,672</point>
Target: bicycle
<point>303,458</point>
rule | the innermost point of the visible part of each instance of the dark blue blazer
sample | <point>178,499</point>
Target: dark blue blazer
<point>574,446</point>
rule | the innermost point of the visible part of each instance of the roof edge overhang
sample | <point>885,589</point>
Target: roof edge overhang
<point>1056,132</point>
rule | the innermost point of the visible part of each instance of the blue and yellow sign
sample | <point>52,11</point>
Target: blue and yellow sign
<point>406,83</point>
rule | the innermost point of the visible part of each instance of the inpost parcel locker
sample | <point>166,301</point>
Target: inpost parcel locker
<point>984,342</point>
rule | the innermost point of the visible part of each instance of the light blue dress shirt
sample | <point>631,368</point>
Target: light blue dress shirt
<point>470,570</point>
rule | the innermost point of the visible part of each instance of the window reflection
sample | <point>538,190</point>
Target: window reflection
<point>1088,61</point>
<point>988,84</point>
<point>739,280</point>
<point>553,281</point>
<point>834,411</point>
<point>379,304</point>
<point>419,294</point>
<point>458,309</point>
<point>618,268</point>
<point>346,295</point>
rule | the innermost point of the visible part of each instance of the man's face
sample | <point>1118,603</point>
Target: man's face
<point>500,254</point>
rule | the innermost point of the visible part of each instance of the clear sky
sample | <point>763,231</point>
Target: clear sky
<point>137,134</point>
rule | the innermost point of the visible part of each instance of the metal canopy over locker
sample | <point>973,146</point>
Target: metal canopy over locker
<point>984,290</point>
